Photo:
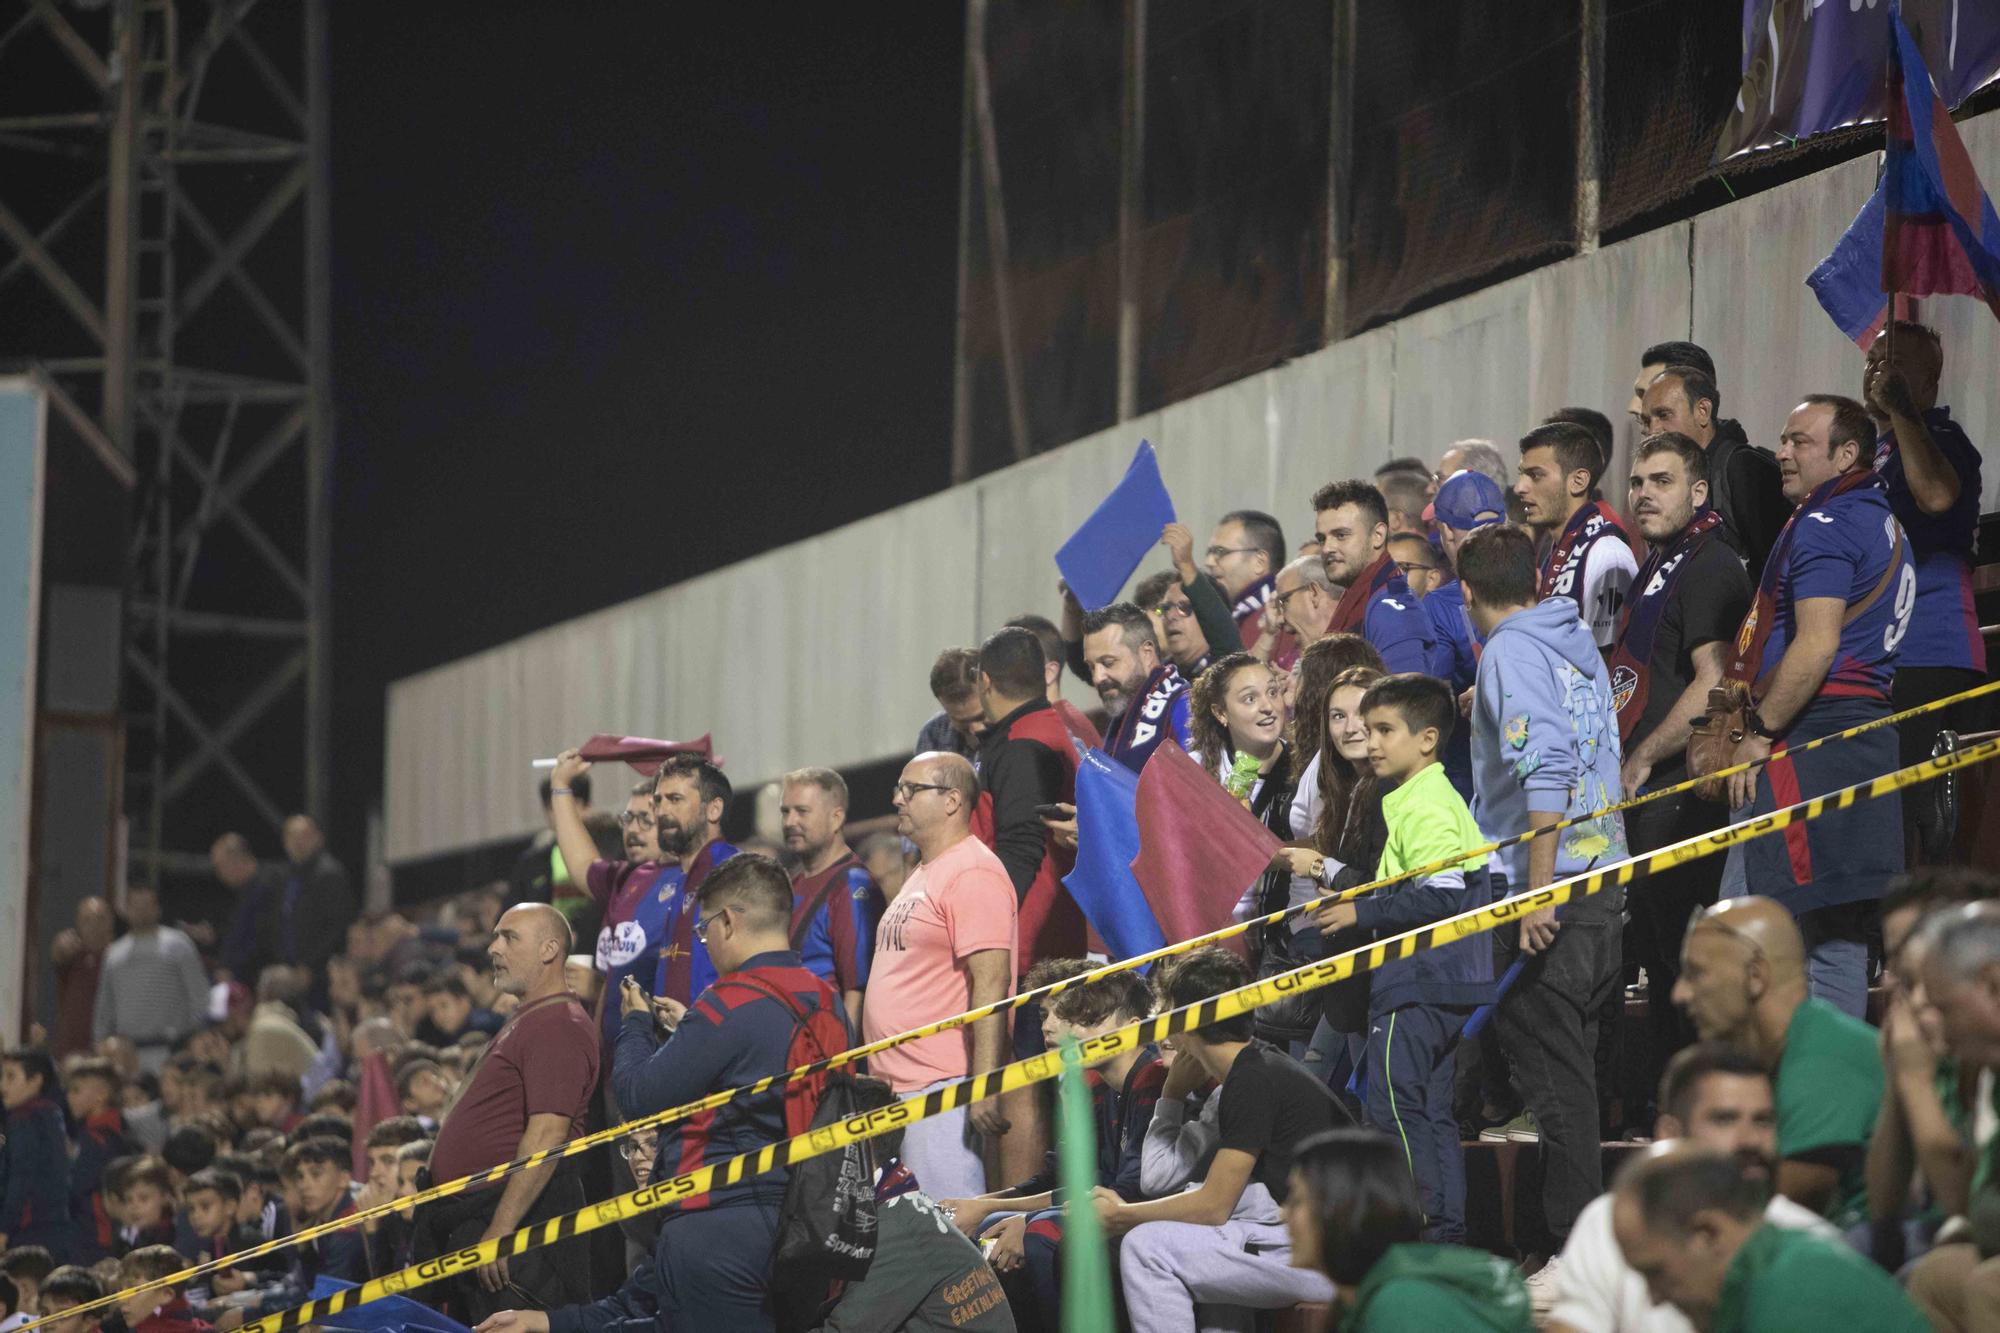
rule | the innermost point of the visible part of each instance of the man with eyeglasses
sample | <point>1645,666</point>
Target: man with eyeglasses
<point>1245,551</point>
<point>1305,599</point>
<point>623,890</point>
<point>947,944</point>
<point>1743,981</point>
<point>713,1255</point>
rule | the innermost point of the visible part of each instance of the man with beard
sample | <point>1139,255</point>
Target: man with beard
<point>1589,560</point>
<point>1718,1098</point>
<point>1687,600</point>
<point>1743,982</point>
<point>622,890</point>
<point>689,798</point>
<point>1145,696</point>
<point>1676,391</point>
<point>1352,522</point>
<point>835,904</point>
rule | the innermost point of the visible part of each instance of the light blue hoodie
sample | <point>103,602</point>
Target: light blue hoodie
<point>1545,737</point>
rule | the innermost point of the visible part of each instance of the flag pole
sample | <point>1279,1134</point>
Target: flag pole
<point>1881,171</point>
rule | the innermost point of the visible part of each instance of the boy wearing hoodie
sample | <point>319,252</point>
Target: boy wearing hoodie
<point>34,1153</point>
<point>1544,749</point>
<point>1417,1005</point>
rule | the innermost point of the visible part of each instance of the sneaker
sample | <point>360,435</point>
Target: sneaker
<point>1543,1284</point>
<point>1521,1129</point>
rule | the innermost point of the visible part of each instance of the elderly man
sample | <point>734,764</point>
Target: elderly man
<point>1956,1285</point>
<point>1305,598</point>
<point>528,1092</point>
<point>1691,1222</point>
<point>947,944</point>
<point>1743,981</point>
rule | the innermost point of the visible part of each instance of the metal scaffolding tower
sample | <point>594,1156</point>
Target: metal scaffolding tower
<point>164,273</point>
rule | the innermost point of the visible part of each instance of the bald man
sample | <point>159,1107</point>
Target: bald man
<point>1743,981</point>
<point>947,944</point>
<point>78,954</point>
<point>1692,1222</point>
<point>528,1092</point>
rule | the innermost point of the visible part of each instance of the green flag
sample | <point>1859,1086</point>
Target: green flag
<point>1086,1265</point>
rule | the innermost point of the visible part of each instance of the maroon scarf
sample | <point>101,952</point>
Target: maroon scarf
<point>1562,573</point>
<point>1631,659</point>
<point>1353,608</point>
<point>1747,652</point>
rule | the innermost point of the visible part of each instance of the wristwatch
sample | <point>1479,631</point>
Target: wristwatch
<point>1755,721</point>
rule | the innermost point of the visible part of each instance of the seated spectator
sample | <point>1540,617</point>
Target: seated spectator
<point>34,1159</point>
<point>1352,1216</point>
<point>320,1171</point>
<point>413,1162</point>
<point>159,1309</point>
<point>423,1091</point>
<point>1716,1097</point>
<point>99,1138</point>
<point>27,1267</point>
<point>276,1042</point>
<point>1222,1241</point>
<point>274,1101</point>
<point>1025,1222</point>
<point>388,1236</point>
<point>449,1012</point>
<point>67,1288</point>
<point>336,1096</point>
<point>1743,981</point>
<point>960,724</point>
<point>188,1149</point>
<point>1957,1285</point>
<point>212,1198</point>
<point>141,1193</point>
<point>1691,1222</point>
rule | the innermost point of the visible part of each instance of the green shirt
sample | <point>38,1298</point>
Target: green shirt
<point>1444,1287</point>
<point>1829,1088</point>
<point>1785,1281</point>
<point>1427,820</point>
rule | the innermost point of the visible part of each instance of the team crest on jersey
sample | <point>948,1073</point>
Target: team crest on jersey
<point>1624,681</point>
<point>1748,633</point>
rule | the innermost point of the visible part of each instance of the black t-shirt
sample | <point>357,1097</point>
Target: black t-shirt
<point>1711,597</point>
<point>1269,1104</point>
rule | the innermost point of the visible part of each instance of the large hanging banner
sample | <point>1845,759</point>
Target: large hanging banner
<point>1810,66</point>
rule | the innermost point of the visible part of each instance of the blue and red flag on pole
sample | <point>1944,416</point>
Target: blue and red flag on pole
<point>1929,229</point>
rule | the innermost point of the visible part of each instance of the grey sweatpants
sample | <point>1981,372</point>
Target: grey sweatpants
<point>1169,1268</point>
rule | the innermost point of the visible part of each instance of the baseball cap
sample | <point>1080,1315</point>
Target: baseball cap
<point>1469,500</point>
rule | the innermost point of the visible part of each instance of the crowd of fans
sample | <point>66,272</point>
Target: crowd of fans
<point>1458,655</point>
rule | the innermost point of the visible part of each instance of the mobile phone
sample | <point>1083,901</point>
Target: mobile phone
<point>1057,811</point>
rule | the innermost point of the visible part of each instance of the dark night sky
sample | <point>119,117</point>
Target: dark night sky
<point>622,293</point>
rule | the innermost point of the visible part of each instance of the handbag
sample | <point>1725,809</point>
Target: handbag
<point>1714,736</point>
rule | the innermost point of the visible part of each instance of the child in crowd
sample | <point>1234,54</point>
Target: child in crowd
<point>12,1316</point>
<point>260,1215</point>
<point>162,1309</point>
<point>141,1193</point>
<point>202,1096</point>
<point>1023,1225</point>
<point>412,1161</point>
<point>319,1173</point>
<point>34,1163</point>
<point>211,1199</point>
<point>388,1235</point>
<point>274,1101</point>
<point>1417,1005</point>
<point>68,1287</point>
<point>424,1092</point>
<point>99,1139</point>
<point>27,1267</point>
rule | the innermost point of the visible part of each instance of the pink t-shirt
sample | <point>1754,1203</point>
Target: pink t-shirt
<point>950,908</point>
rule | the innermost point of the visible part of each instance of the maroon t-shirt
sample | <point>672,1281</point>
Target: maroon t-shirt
<point>544,1062</point>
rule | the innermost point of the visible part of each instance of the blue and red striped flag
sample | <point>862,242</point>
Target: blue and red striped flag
<point>1929,229</point>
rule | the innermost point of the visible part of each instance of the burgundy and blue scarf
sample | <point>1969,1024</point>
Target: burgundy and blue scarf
<point>1561,574</point>
<point>1631,659</point>
<point>1147,720</point>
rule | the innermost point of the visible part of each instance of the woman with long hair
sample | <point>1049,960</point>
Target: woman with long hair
<point>1351,1208</point>
<point>1318,665</point>
<point>1236,717</point>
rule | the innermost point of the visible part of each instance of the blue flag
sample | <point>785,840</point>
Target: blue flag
<point>1107,838</point>
<point>1101,555</point>
<point>385,1314</point>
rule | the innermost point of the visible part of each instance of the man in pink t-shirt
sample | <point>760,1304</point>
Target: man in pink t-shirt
<point>945,945</point>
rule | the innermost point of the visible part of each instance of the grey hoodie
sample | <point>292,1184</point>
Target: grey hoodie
<point>1545,737</point>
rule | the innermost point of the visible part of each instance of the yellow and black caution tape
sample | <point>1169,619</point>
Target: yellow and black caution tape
<point>672,1115</point>
<point>1041,1068</point>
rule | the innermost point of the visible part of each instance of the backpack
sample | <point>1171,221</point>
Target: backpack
<point>826,1224</point>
